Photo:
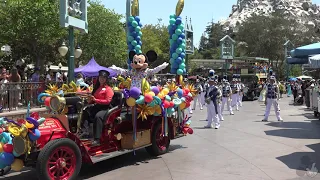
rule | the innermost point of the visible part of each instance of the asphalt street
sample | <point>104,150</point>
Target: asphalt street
<point>244,148</point>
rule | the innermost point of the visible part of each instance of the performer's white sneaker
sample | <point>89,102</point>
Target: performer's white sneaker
<point>232,113</point>
<point>280,119</point>
<point>208,126</point>
<point>265,120</point>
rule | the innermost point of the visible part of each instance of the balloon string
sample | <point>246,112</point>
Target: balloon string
<point>162,126</point>
<point>165,123</point>
<point>134,122</point>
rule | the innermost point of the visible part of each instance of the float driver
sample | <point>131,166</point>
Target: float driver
<point>101,98</point>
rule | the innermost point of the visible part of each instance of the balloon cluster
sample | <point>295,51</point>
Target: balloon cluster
<point>177,45</point>
<point>154,100</point>
<point>134,35</point>
<point>16,138</point>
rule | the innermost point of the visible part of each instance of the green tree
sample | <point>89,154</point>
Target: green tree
<point>31,28</point>
<point>106,40</point>
<point>156,37</point>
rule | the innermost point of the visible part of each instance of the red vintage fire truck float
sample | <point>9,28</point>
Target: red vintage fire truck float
<point>139,116</point>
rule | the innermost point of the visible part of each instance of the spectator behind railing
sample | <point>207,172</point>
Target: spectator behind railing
<point>15,94</point>
<point>35,76</point>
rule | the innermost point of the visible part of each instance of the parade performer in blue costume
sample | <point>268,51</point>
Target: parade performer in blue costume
<point>289,92</point>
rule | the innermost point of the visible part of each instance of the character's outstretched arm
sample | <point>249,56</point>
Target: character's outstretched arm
<point>120,71</point>
<point>157,69</point>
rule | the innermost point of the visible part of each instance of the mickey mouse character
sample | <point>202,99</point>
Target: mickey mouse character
<point>140,70</point>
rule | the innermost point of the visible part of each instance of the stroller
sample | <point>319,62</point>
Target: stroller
<point>299,100</point>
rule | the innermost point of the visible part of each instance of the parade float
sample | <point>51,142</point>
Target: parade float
<point>140,116</point>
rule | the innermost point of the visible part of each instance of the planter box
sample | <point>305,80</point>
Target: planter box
<point>143,139</point>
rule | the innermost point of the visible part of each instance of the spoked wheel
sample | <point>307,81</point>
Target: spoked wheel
<point>160,144</point>
<point>60,160</point>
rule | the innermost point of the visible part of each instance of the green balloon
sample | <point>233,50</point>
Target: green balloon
<point>172,16</point>
<point>175,55</point>
<point>179,71</point>
<point>138,29</point>
<point>169,27</point>
<point>174,37</point>
<point>171,41</point>
<point>137,47</point>
<point>182,66</point>
<point>140,33</point>
<point>183,45</point>
<point>130,38</point>
<point>178,31</point>
<point>131,18</point>
<point>178,51</point>
<point>180,27</point>
<point>183,61</point>
<point>134,43</point>
<point>172,21</point>
<point>139,52</point>
<point>171,61</point>
<point>134,24</point>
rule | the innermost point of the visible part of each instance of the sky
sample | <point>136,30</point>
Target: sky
<point>202,12</point>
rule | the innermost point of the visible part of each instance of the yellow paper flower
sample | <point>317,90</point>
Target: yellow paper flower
<point>172,86</point>
<point>52,89</point>
<point>144,111</point>
<point>192,90</point>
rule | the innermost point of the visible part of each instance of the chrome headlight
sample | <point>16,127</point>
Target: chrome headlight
<point>57,103</point>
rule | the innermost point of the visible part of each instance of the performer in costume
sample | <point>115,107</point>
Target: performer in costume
<point>219,99</point>
<point>241,87</point>
<point>140,70</point>
<point>197,98</point>
<point>204,85</point>
<point>226,96</point>
<point>272,97</point>
<point>211,99</point>
<point>235,92</point>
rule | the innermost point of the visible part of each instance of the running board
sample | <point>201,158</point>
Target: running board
<point>106,156</point>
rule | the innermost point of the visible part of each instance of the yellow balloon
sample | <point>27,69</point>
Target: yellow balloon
<point>151,93</point>
<point>179,7</point>
<point>17,165</point>
<point>152,110</point>
<point>1,147</point>
<point>160,95</point>
<point>157,109</point>
<point>165,91</point>
<point>131,101</point>
<point>182,105</point>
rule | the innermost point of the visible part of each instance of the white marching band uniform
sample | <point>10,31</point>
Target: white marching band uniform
<point>240,87</point>
<point>219,102</point>
<point>235,95</point>
<point>272,96</point>
<point>226,97</point>
<point>211,96</point>
<point>198,98</point>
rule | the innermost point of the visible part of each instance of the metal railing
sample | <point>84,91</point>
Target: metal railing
<point>16,96</point>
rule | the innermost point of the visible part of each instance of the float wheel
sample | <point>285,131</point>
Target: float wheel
<point>60,159</point>
<point>160,144</point>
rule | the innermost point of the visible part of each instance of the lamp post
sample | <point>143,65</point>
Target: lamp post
<point>70,10</point>
<point>288,46</point>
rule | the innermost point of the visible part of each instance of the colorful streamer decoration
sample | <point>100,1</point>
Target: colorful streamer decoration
<point>177,41</point>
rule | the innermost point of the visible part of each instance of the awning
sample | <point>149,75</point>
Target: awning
<point>305,51</point>
<point>291,60</point>
<point>315,61</point>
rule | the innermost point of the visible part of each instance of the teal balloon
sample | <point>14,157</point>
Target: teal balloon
<point>183,61</point>
<point>172,16</point>
<point>139,52</point>
<point>171,41</point>
<point>182,66</point>
<point>171,61</point>
<point>131,18</point>
<point>170,111</point>
<point>178,31</point>
<point>179,71</point>
<point>130,38</point>
<point>138,29</point>
<point>134,43</point>
<point>178,51</point>
<point>152,104</point>
<point>169,27</point>
<point>175,55</point>
<point>175,37</point>
<point>134,24</point>
<point>137,47</point>
<point>140,100</point>
<point>140,33</point>
<point>182,46</point>
<point>172,21</point>
<point>181,27</point>
<point>2,166</point>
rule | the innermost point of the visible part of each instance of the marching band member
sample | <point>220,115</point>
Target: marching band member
<point>235,93</point>
<point>226,96</point>
<point>241,87</point>
<point>219,100</point>
<point>211,73</point>
<point>272,97</point>
<point>204,85</point>
<point>211,96</point>
<point>197,98</point>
